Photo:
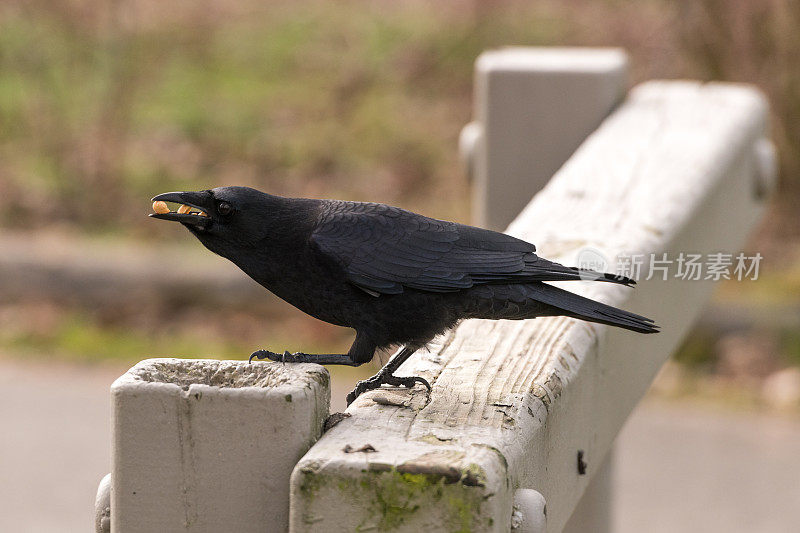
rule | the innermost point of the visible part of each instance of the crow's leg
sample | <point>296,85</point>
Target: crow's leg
<point>299,357</point>
<point>360,352</point>
<point>386,375</point>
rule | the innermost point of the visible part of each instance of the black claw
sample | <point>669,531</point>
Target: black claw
<point>265,354</point>
<point>258,354</point>
<point>407,382</point>
<point>413,380</point>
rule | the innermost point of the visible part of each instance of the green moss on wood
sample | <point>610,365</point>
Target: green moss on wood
<point>391,498</point>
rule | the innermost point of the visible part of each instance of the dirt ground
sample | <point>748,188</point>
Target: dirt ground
<point>679,466</point>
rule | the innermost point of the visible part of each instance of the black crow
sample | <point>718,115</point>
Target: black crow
<point>396,277</point>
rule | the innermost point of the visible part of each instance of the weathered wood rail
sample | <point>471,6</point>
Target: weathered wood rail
<point>523,414</point>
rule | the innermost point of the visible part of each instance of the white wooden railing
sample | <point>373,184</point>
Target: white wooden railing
<point>523,414</point>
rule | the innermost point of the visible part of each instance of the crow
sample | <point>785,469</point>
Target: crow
<point>397,278</point>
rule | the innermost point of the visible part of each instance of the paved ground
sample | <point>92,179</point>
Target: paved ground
<point>683,468</point>
<point>54,445</point>
<point>679,467</point>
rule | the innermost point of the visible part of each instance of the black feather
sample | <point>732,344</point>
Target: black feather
<point>386,249</point>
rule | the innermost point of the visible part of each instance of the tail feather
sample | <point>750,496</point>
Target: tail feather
<point>541,269</point>
<point>575,306</point>
<point>575,274</point>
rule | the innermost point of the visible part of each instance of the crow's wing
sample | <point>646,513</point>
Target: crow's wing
<point>384,249</point>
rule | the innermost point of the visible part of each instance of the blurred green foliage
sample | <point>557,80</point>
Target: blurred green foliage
<point>101,110</point>
<point>82,339</point>
<point>103,104</point>
<point>85,335</point>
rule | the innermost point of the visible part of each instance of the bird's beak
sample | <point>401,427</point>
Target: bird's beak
<point>194,208</point>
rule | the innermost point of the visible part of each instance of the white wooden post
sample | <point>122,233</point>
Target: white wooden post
<point>208,446</point>
<point>516,407</point>
<point>533,108</point>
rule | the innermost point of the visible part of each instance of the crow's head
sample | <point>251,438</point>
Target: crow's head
<point>225,218</point>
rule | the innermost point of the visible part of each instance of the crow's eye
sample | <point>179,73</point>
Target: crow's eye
<point>224,208</point>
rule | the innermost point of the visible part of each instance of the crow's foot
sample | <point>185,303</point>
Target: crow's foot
<point>284,357</point>
<point>382,378</point>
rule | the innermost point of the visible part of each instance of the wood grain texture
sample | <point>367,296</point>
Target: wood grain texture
<point>513,402</point>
